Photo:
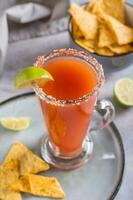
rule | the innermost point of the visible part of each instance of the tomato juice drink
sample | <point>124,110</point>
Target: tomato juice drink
<point>67,123</point>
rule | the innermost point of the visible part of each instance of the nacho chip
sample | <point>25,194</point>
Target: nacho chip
<point>106,36</point>
<point>9,173</point>
<point>29,162</point>
<point>75,30</point>
<point>89,6</point>
<point>121,49</point>
<point>11,195</point>
<point>114,8</point>
<point>39,185</point>
<point>94,7</point>
<point>104,51</point>
<point>122,33</point>
<point>86,22</point>
<point>87,44</point>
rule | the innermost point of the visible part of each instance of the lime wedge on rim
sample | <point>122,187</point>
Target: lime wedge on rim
<point>27,76</point>
<point>123,91</point>
<point>15,123</point>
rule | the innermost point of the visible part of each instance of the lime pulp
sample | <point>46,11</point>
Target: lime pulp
<point>15,123</point>
<point>123,91</point>
<point>27,76</point>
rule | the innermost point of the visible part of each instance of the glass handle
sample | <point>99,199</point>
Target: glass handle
<point>105,113</point>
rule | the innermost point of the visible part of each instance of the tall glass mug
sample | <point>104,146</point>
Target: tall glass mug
<point>70,122</point>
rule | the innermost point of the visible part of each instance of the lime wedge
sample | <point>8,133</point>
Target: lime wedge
<point>15,123</point>
<point>123,91</point>
<point>27,76</point>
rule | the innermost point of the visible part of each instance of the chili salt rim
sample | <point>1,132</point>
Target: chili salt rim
<point>69,52</point>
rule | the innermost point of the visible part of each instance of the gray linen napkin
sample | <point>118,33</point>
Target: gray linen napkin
<point>25,14</point>
<point>3,40</point>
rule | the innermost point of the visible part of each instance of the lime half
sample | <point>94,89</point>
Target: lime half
<point>27,76</point>
<point>123,91</point>
<point>15,123</point>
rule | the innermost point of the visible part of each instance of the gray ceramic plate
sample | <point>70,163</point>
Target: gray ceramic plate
<point>99,179</point>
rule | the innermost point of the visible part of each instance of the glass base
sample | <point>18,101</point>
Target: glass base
<point>66,162</point>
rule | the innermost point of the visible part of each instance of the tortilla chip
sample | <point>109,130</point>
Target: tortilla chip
<point>121,49</point>
<point>86,22</point>
<point>94,7</point>
<point>104,51</point>
<point>106,36</point>
<point>9,173</point>
<point>122,33</point>
<point>87,44</point>
<point>114,8</point>
<point>12,195</point>
<point>39,185</point>
<point>75,30</point>
<point>29,162</point>
<point>89,6</point>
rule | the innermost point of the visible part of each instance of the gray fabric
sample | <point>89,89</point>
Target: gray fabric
<point>36,29</point>
<point>42,27</point>
<point>23,23</point>
<point>3,40</point>
<point>25,13</point>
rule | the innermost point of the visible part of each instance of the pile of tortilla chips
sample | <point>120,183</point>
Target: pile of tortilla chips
<point>100,27</point>
<point>17,174</point>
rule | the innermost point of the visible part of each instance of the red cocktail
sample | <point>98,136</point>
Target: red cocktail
<point>68,102</point>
